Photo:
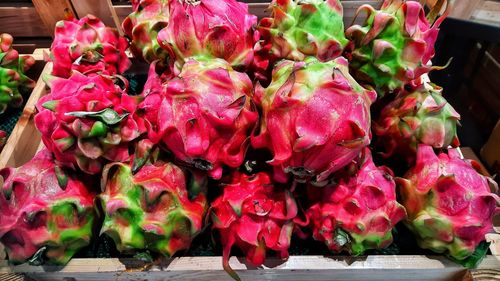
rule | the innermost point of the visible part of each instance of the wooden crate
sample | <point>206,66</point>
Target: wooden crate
<point>26,142</point>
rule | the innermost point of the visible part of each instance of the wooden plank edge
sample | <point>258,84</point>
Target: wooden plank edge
<point>316,268</point>
<point>388,262</point>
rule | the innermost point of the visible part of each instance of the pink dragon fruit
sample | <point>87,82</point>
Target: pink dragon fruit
<point>450,204</point>
<point>315,118</point>
<point>420,117</point>
<point>395,45</point>
<point>87,45</point>
<point>13,82</point>
<point>211,29</point>
<point>142,27</point>
<point>153,209</point>
<point>298,29</point>
<point>87,121</point>
<point>255,216</point>
<point>46,214</point>
<point>204,116</point>
<point>359,212</point>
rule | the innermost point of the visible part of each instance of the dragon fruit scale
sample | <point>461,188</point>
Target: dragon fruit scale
<point>359,212</point>
<point>395,45</point>
<point>315,118</point>
<point>142,27</point>
<point>419,117</point>
<point>159,208</point>
<point>211,29</point>
<point>13,82</point>
<point>205,116</point>
<point>255,216</point>
<point>303,28</point>
<point>450,204</point>
<point>87,45</point>
<point>88,121</point>
<point>46,214</point>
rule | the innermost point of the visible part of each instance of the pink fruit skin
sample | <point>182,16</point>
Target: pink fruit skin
<point>211,28</point>
<point>28,200</point>
<point>205,115</point>
<point>87,45</point>
<point>315,118</point>
<point>362,205</point>
<point>254,216</point>
<point>450,205</point>
<point>77,141</point>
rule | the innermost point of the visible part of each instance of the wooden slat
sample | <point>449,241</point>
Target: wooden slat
<point>102,9</point>
<point>463,9</point>
<point>488,12</point>
<point>296,268</point>
<point>22,22</point>
<point>52,11</point>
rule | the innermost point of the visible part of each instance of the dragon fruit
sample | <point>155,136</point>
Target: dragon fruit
<point>359,212</point>
<point>315,118</point>
<point>3,139</point>
<point>210,28</point>
<point>142,27</point>
<point>13,82</point>
<point>46,214</point>
<point>255,216</point>
<point>420,117</point>
<point>87,45</point>
<point>153,209</point>
<point>298,29</point>
<point>204,116</point>
<point>450,204</point>
<point>87,121</point>
<point>395,45</point>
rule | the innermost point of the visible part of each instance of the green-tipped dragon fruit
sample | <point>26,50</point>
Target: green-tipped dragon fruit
<point>420,117</point>
<point>315,118</point>
<point>88,121</point>
<point>87,45</point>
<point>450,204</point>
<point>211,29</point>
<point>300,28</point>
<point>46,213</point>
<point>395,45</point>
<point>142,27</point>
<point>161,208</point>
<point>358,212</point>
<point>14,84</point>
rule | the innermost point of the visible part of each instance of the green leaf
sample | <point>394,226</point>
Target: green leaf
<point>38,258</point>
<point>475,259</point>
<point>50,105</point>
<point>108,116</point>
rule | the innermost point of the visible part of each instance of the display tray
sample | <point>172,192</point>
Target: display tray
<point>309,260</point>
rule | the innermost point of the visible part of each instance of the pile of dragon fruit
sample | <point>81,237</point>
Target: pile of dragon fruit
<point>253,131</point>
